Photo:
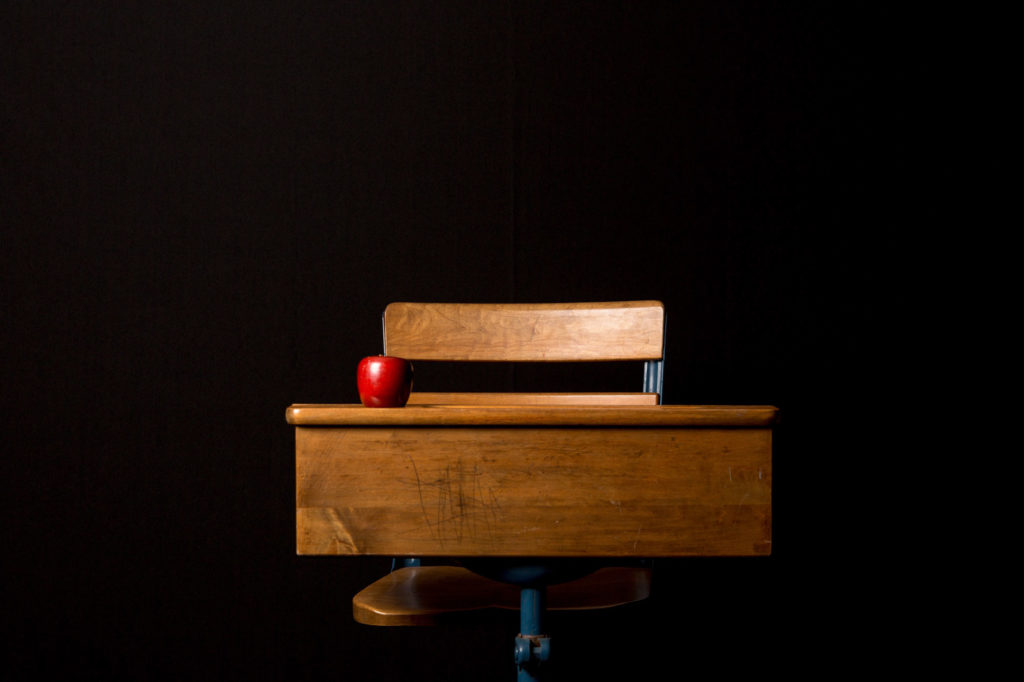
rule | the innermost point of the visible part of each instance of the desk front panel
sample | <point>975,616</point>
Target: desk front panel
<point>528,491</point>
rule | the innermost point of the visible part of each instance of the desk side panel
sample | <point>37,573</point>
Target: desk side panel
<point>533,491</point>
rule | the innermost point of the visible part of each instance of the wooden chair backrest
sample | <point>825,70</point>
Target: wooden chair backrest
<point>530,332</point>
<point>525,332</point>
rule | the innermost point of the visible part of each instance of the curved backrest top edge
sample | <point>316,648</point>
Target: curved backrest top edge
<point>573,305</point>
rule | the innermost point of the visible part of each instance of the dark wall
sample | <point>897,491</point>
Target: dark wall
<point>206,207</point>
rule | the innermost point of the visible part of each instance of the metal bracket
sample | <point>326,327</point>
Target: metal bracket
<point>654,370</point>
<point>532,650</point>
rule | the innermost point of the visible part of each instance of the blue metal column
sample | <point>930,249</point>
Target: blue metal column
<point>397,563</point>
<point>654,370</point>
<point>653,377</point>
<point>532,646</point>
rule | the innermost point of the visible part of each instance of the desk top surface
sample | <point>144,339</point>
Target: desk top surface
<point>534,415</point>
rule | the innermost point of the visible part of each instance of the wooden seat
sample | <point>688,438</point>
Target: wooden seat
<point>426,595</point>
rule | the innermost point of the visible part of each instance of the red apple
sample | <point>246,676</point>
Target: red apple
<point>384,381</point>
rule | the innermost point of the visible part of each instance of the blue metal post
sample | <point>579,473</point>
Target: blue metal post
<point>653,377</point>
<point>654,370</point>
<point>531,610</point>
<point>397,563</point>
<point>532,646</point>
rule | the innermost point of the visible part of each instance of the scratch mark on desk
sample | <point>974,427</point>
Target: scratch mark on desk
<point>463,505</point>
<point>419,490</point>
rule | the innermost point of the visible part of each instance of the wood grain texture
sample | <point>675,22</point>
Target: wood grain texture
<point>533,415</point>
<point>519,332</point>
<point>424,595</point>
<point>533,491</point>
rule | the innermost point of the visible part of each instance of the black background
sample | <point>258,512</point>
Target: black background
<point>206,207</point>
